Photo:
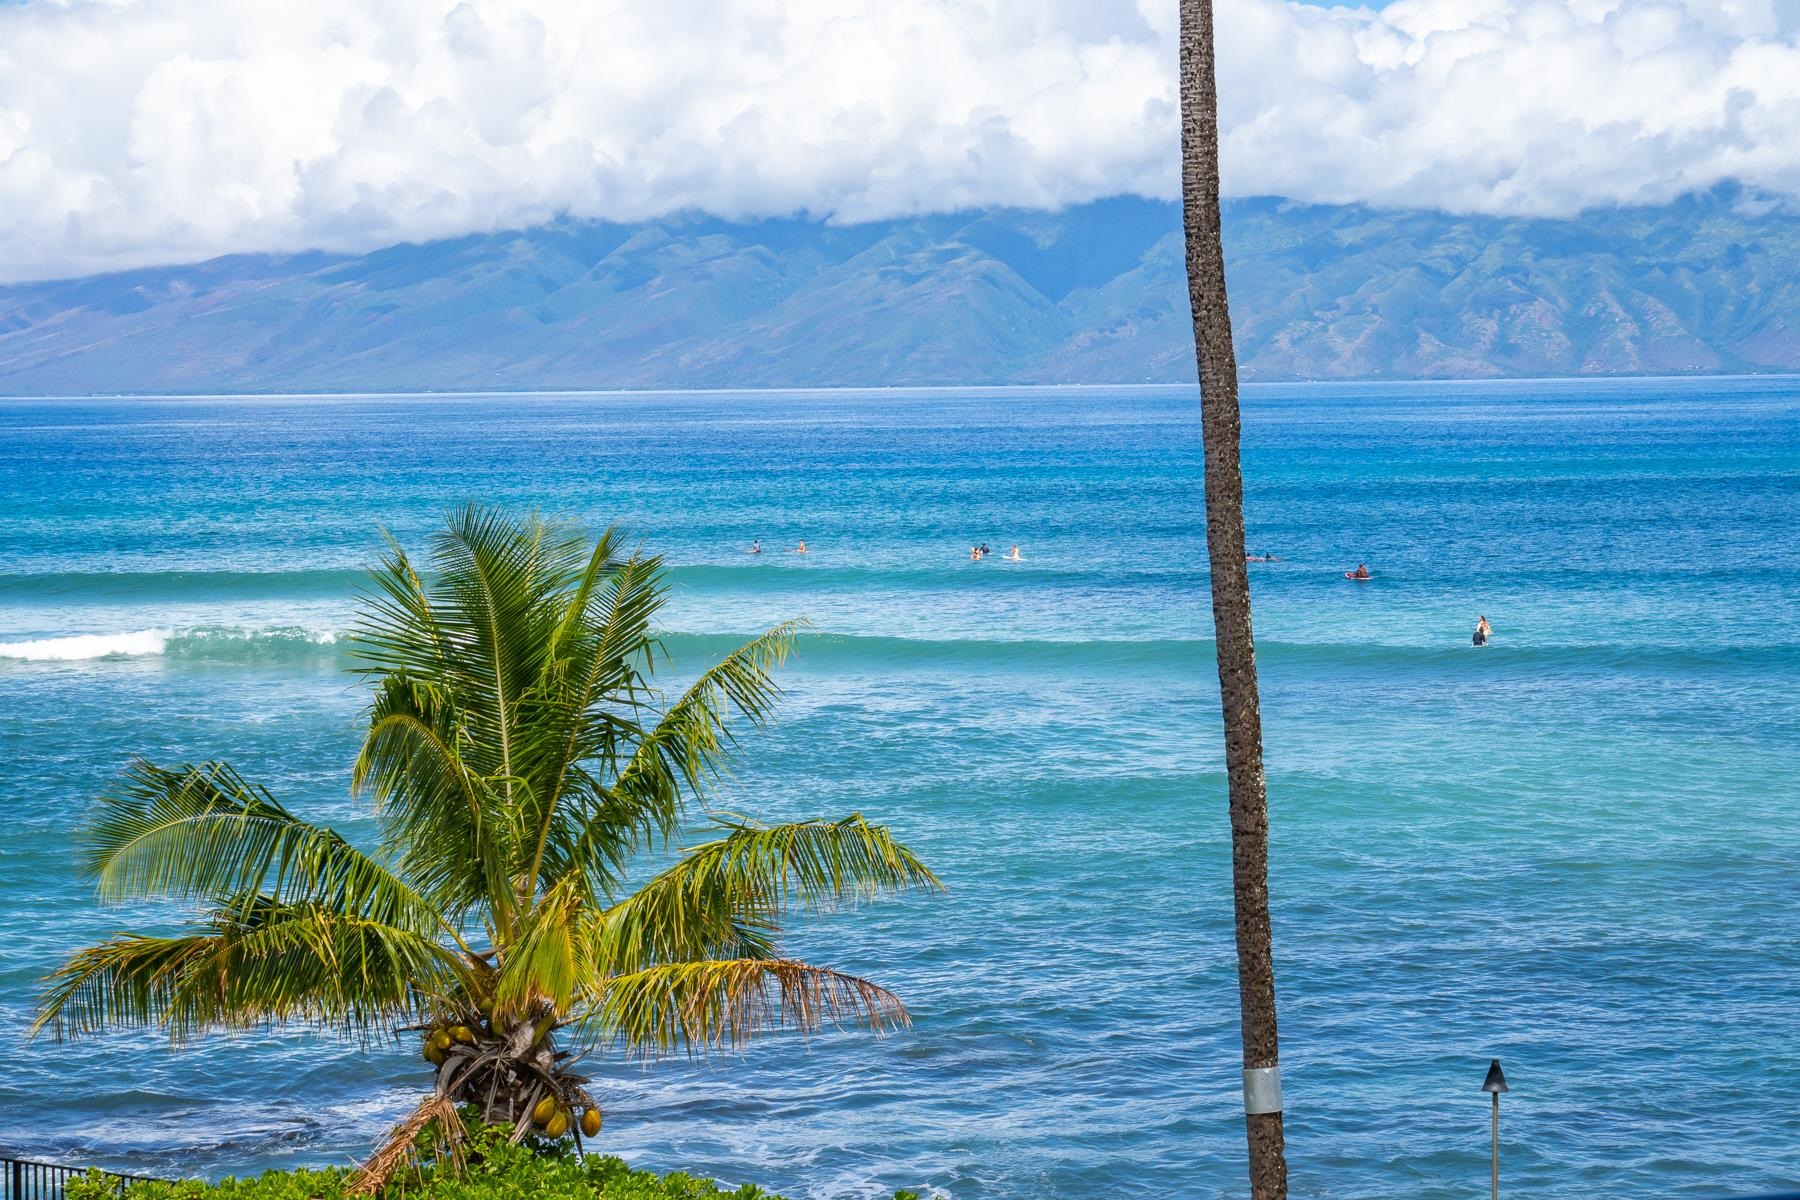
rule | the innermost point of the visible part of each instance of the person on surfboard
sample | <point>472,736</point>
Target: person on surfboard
<point>1361,572</point>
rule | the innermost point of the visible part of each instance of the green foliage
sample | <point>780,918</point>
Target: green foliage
<point>496,1169</point>
<point>94,1185</point>
<point>520,758</point>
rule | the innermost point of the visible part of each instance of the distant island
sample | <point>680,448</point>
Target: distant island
<point>1090,294</point>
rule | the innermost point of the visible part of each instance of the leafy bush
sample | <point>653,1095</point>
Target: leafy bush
<point>493,1169</point>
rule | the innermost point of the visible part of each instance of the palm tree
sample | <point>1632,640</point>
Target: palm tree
<point>521,763</point>
<point>1248,795</point>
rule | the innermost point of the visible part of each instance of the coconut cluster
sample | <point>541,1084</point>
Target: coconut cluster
<point>555,1120</point>
<point>440,1039</point>
<point>552,1114</point>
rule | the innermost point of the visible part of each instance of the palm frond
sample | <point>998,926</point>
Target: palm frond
<point>435,1115</point>
<point>728,1002</point>
<point>585,708</point>
<point>602,565</point>
<point>499,583</point>
<point>259,963</point>
<point>726,898</point>
<point>675,919</point>
<point>449,831</point>
<point>546,964</point>
<point>205,831</point>
<point>397,630</point>
<point>308,964</point>
<point>684,750</point>
<point>129,982</point>
<point>816,863</point>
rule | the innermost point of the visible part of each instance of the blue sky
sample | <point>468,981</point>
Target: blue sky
<point>148,131</point>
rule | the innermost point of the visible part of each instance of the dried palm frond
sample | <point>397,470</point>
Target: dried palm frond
<point>436,1113</point>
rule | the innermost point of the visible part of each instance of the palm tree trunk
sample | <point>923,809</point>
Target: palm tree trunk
<point>1231,595</point>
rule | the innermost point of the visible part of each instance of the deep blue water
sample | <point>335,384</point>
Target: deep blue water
<point>1576,848</point>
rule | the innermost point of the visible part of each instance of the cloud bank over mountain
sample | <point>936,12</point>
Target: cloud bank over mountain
<point>153,131</point>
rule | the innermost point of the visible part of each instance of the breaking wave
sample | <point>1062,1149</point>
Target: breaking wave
<point>209,643</point>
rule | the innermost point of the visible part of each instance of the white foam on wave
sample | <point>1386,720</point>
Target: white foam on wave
<point>140,643</point>
<point>89,645</point>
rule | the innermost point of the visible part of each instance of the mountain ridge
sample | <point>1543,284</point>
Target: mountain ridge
<point>1091,294</point>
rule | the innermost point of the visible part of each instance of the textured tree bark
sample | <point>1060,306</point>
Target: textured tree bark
<point>1248,796</point>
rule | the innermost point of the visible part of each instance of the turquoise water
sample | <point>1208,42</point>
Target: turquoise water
<point>1576,849</point>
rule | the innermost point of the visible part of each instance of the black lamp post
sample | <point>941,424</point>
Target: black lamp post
<point>1494,1085</point>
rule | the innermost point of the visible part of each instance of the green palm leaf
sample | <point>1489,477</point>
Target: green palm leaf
<point>726,897</point>
<point>682,752</point>
<point>203,831</point>
<point>727,1002</point>
<point>447,825</point>
<point>261,963</point>
<point>546,965</point>
<point>690,741</point>
<point>588,710</point>
<point>817,863</point>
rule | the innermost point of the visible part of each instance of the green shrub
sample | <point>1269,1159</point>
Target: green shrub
<point>494,1169</point>
<point>92,1186</point>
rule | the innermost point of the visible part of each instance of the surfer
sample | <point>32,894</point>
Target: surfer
<point>975,553</point>
<point>1361,572</point>
<point>1013,555</point>
<point>756,546</point>
<point>801,548</point>
<point>1483,631</point>
<point>1250,558</point>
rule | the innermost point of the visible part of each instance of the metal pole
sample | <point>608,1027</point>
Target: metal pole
<point>1496,1146</point>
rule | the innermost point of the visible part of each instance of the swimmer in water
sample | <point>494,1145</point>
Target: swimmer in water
<point>974,553</point>
<point>1013,555</point>
<point>756,546</point>
<point>1483,631</point>
<point>801,548</point>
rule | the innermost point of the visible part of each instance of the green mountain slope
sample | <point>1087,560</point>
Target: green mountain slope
<point>1091,294</point>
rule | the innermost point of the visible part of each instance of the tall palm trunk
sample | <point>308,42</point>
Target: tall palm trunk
<point>1231,598</point>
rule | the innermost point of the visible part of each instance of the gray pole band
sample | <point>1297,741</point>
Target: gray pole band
<point>1262,1090</point>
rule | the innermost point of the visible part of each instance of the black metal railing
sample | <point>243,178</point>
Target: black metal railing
<point>22,1179</point>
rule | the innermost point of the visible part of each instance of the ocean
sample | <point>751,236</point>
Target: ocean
<point>1575,849</point>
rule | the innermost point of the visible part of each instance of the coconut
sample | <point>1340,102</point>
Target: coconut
<point>463,1034</point>
<point>590,1122</point>
<point>545,1112</point>
<point>558,1124</point>
<point>434,1054</point>
<point>440,1038</point>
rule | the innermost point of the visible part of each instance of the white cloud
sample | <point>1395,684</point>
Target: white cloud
<point>143,131</point>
